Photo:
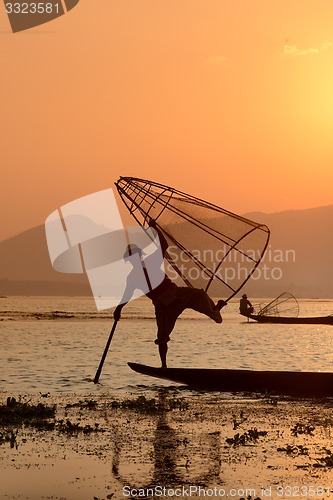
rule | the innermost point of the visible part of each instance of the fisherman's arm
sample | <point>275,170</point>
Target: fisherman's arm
<point>163,241</point>
<point>117,312</point>
<point>127,295</point>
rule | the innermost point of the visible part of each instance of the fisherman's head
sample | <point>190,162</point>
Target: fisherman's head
<point>132,249</point>
<point>244,296</point>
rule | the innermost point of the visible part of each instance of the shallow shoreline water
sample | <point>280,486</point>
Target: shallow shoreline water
<point>162,444</point>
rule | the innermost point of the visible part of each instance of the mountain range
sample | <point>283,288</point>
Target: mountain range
<point>298,260</point>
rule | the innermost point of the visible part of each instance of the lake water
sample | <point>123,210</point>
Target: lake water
<point>55,344</point>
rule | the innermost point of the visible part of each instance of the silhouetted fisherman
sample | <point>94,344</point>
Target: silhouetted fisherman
<point>169,299</point>
<point>245,306</point>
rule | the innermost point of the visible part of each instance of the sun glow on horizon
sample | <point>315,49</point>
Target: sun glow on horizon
<point>230,101</point>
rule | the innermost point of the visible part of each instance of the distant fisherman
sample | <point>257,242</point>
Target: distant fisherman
<point>245,306</point>
<point>169,299</point>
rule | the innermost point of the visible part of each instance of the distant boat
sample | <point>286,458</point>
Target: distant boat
<point>301,384</point>
<point>310,320</point>
<point>285,309</point>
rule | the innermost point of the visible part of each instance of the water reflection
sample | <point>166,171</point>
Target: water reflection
<point>166,448</point>
<point>213,452</point>
<point>166,456</point>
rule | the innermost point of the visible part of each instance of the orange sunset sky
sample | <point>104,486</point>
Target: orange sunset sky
<point>231,101</point>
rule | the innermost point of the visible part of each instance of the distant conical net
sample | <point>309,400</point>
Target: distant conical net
<point>284,305</point>
<point>209,247</point>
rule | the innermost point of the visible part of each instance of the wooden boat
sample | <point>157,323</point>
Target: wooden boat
<point>306,384</point>
<point>285,309</point>
<point>311,320</point>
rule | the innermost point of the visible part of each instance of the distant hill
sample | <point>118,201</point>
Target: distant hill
<point>298,260</point>
<point>303,240</point>
<point>26,268</point>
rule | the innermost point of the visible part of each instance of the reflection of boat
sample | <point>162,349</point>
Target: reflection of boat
<point>285,309</point>
<point>315,384</point>
<point>311,320</point>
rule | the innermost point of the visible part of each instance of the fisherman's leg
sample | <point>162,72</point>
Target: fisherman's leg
<point>163,349</point>
<point>166,318</point>
<point>199,301</point>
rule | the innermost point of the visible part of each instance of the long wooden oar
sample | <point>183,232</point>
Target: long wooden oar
<point>98,373</point>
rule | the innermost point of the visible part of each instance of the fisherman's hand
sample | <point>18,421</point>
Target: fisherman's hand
<point>117,313</point>
<point>152,222</point>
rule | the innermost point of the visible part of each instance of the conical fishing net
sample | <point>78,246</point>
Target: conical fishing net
<point>285,305</point>
<point>209,247</point>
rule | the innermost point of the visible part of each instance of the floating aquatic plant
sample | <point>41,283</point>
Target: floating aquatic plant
<point>144,405</point>
<point>251,436</point>
<point>239,422</point>
<point>326,461</point>
<point>294,449</point>
<point>9,436</point>
<point>300,428</point>
<point>75,428</point>
<point>88,404</point>
<point>108,497</point>
<point>17,413</point>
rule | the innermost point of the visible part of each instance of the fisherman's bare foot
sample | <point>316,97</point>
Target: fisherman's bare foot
<point>216,316</point>
<point>163,349</point>
<point>219,304</point>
